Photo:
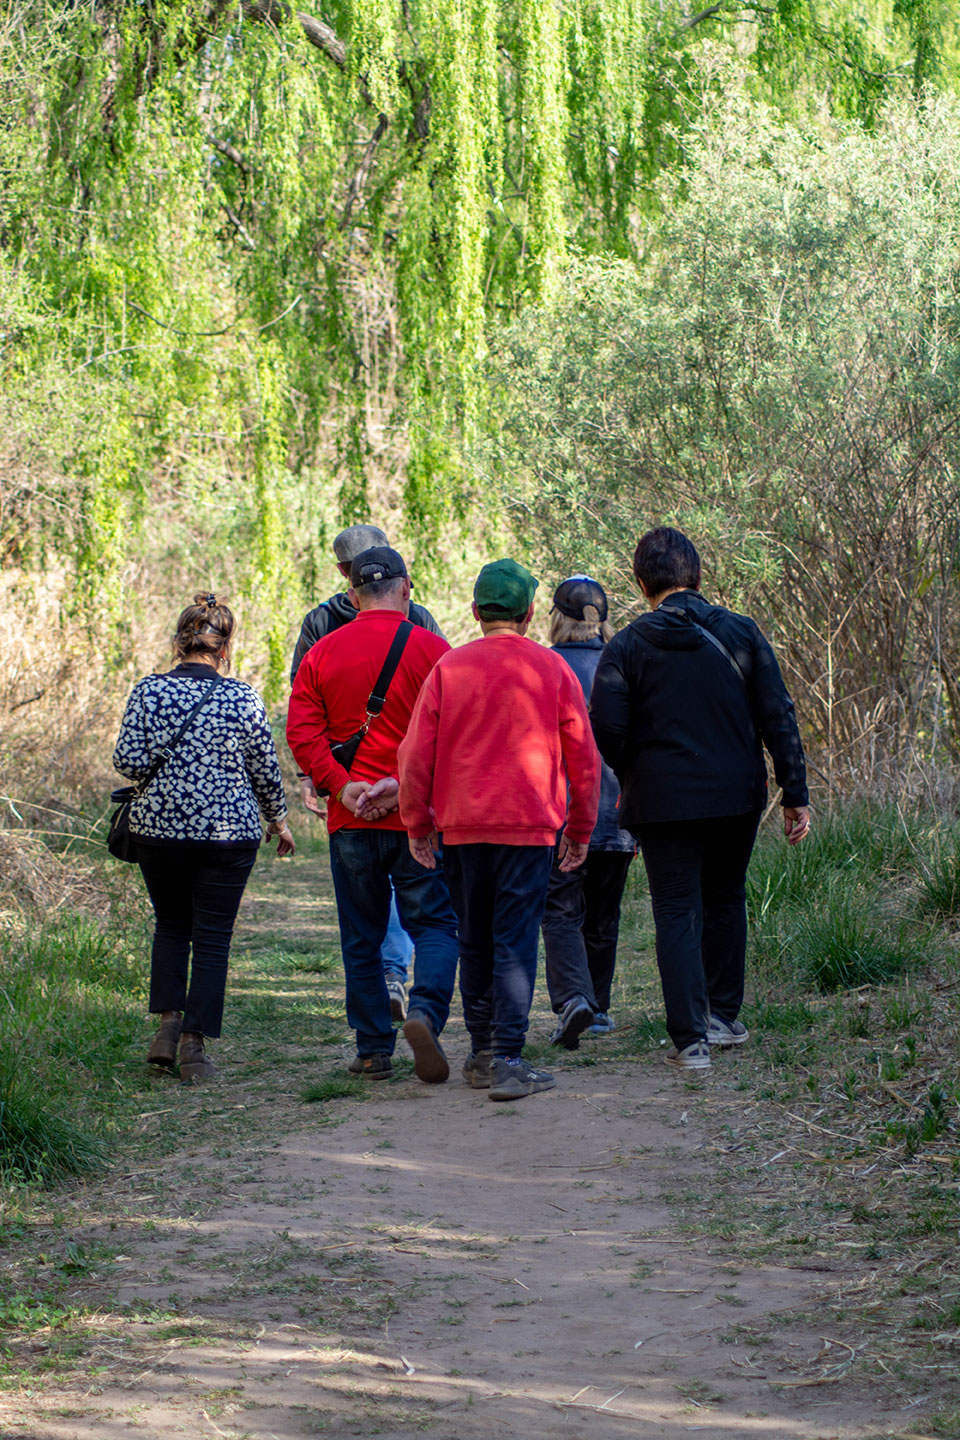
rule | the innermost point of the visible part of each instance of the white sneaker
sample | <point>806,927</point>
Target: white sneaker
<point>725,1033</point>
<point>398,1000</point>
<point>692,1057</point>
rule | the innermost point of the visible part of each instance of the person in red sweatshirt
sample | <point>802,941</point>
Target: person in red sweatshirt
<point>328,705</point>
<point>498,731</point>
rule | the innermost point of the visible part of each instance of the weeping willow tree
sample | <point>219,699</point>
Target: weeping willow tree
<point>250,257</point>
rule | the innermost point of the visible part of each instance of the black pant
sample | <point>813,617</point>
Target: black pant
<point>697,871</point>
<point>498,892</point>
<point>195,892</point>
<point>581,925</point>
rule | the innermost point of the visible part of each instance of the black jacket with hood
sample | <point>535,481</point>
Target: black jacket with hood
<point>682,730</point>
<point>337,611</point>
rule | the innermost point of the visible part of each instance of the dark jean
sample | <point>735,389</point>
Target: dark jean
<point>363,863</point>
<point>498,892</point>
<point>697,871</point>
<point>195,892</point>
<point>581,925</point>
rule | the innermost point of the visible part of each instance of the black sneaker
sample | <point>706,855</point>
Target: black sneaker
<point>429,1062</point>
<point>512,1079</point>
<point>574,1018</point>
<point>476,1069</point>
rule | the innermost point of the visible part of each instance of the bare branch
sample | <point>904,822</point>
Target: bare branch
<point>231,153</point>
<point>362,173</point>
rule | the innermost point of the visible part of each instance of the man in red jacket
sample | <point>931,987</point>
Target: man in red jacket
<point>328,705</point>
<point>499,730</point>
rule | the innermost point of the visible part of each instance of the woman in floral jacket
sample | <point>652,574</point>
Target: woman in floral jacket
<point>198,825</point>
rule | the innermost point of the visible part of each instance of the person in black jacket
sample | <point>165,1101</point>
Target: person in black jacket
<point>397,950</point>
<point>683,702</point>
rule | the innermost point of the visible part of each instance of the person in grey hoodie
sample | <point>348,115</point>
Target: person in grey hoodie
<point>329,615</point>
<point>581,923</point>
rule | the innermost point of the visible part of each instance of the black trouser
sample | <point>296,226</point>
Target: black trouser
<point>697,871</point>
<point>498,892</point>
<point>195,892</point>
<point>580,927</point>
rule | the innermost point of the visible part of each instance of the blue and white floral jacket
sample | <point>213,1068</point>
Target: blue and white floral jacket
<point>221,778</point>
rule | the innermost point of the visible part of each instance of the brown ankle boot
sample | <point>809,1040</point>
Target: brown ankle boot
<point>195,1064</point>
<point>163,1047</point>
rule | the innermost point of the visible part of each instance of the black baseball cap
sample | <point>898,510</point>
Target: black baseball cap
<point>377,563</point>
<point>573,595</point>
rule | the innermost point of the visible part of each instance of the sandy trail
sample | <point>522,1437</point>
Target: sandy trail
<point>425,1261</point>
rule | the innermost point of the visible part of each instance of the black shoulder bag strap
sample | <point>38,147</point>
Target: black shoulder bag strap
<point>714,641</point>
<point>345,751</point>
<point>164,754</point>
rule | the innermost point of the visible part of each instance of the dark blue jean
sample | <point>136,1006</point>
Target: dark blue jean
<point>498,892</point>
<point>363,863</point>
<point>195,891</point>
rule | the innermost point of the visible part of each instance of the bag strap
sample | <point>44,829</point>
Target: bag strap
<point>168,749</point>
<point>378,695</point>
<point>714,640</point>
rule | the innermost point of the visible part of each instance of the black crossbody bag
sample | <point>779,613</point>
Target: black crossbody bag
<point>120,842</point>
<point>345,751</point>
<point>715,641</point>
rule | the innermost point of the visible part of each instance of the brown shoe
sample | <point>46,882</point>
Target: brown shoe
<point>163,1047</point>
<point>429,1062</point>
<point>196,1067</point>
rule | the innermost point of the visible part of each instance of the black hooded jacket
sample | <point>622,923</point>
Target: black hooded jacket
<point>682,730</point>
<point>337,611</point>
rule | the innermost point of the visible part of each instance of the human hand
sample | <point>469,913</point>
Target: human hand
<point>310,798</point>
<point>422,849</point>
<point>571,853</point>
<point>796,823</point>
<point>286,845</point>
<point>378,801</point>
<point>351,794</point>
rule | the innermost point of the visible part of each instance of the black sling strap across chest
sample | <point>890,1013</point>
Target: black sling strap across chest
<point>714,640</point>
<point>345,751</point>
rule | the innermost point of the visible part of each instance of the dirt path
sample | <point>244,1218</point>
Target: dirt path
<point>409,1259</point>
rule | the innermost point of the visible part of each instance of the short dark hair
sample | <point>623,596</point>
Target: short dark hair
<point>666,560</point>
<point>377,589</point>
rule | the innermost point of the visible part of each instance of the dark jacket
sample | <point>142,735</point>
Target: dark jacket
<point>583,657</point>
<point>680,727</point>
<point>337,611</point>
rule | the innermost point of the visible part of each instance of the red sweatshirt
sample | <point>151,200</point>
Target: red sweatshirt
<point>329,703</point>
<point>499,728</point>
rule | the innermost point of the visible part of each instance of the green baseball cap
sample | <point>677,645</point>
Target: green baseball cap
<point>504,590</point>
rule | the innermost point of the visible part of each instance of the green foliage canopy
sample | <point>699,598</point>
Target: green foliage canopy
<point>783,381</point>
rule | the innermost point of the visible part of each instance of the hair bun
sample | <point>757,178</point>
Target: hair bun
<point>207,598</point>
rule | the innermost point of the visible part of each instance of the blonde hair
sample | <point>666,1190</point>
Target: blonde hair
<point>206,625</point>
<point>566,631</point>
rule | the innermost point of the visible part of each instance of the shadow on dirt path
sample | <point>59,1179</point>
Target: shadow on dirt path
<point>410,1259</point>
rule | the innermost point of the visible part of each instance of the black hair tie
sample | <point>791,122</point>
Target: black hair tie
<point>211,601</point>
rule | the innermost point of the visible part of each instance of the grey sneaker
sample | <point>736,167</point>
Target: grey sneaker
<point>603,1024</point>
<point>476,1069</point>
<point>574,1018</point>
<point>726,1033</point>
<point>429,1062</point>
<point>512,1079</point>
<point>398,999</point>
<point>691,1057</point>
<point>371,1067</point>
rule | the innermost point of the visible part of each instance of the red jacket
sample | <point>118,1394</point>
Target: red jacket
<point>329,703</point>
<point>499,728</point>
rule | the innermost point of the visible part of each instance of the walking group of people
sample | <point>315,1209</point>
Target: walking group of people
<point>476,798</point>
